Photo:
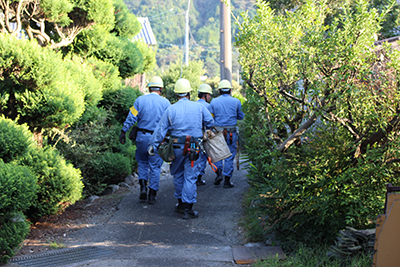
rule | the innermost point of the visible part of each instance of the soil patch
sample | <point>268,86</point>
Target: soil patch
<point>49,232</point>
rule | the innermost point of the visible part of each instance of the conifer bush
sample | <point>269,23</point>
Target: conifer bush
<point>15,139</point>
<point>17,193</point>
<point>119,101</point>
<point>13,230</point>
<point>85,147</point>
<point>59,182</point>
<point>35,92</point>
<point>112,167</point>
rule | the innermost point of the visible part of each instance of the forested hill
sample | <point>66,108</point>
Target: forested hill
<point>167,20</point>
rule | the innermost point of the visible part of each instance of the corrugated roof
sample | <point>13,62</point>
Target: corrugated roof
<point>146,33</point>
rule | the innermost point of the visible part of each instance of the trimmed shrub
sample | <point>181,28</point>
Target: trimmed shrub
<point>119,101</point>
<point>17,193</point>
<point>13,230</point>
<point>39,94</point>
<point>85,147</point>
<point>14,139</point>
<point>113,167</point>
<point>17,188</point>
<point>59,183</point>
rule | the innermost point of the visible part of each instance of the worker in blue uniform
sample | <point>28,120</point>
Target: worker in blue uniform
<point>147,111</point>
<point>226,110</point>
<point>204,93</point>
<point>184,121</point>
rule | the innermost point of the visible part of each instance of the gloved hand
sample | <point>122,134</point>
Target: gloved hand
<point>122,137</point>
<point>151,151</point>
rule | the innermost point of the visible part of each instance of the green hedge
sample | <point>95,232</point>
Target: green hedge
<point>17,193</point>
<point>59,182</point>
<point>37,92</point>
<point>17,188</point>
<point>15,139</point>
<point>13,230</point>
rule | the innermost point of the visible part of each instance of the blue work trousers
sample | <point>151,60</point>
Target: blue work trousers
<point>149,166</point>
<point>228,166</point>
<point>185,177</point>
<point>202,164</point>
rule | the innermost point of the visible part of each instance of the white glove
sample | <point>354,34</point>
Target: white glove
<point>150,150</point>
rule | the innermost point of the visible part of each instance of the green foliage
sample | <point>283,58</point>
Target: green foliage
<point>59,182</point>
<point>320,82</point>
<point>18,188</point>
<point>110,168</point>
<point>38,93</point>
<point>123,53</point>
<point>85,145</point>
<point>126,23</point>
<point>119,102</point>
<point>148,54</point>
<point>106,73</point>
<point>311,257</point>
<point>176,71</point>
<point>15,140</point>
<point>83,76</point>
<point>390,26</point>
<point>64,19</point>
<point>13,230</point>
<point>17,193</point>
<point>113,45</point>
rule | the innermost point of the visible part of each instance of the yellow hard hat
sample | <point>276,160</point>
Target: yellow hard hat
<point>156,81</point>
<point>182,86</point>
<point>225,84</point>
<point>205,88</point>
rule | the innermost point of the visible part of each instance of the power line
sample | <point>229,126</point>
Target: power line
<point>163,17</point>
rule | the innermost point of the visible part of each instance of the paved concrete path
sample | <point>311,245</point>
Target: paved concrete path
<point>154,235</point>
<point>139,234</point>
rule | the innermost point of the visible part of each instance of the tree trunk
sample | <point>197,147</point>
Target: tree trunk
<point>297,133</point>
<point>38,136</point>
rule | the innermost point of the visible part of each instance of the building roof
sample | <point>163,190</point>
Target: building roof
<point>146,33</point>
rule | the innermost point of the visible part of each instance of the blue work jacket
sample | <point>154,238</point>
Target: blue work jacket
<point>183,118</point>
<point>147,111</point>
<point>226,110</point>
<point>202,101</point>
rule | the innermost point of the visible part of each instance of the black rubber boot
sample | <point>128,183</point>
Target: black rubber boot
<point>143,189</point>
<point>218,179</point>
<point>227,183</point>
<point>152,196</point>
<point>189,213</point>
<point>199,181</point>
<point>180,208</point>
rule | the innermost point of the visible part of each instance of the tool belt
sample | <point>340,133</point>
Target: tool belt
<point>227,132</point>
<point>145,131</point>
<point>191,146</point>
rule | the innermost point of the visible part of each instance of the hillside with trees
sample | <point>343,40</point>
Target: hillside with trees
<point>167,19</point>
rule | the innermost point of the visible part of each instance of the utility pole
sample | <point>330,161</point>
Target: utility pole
<point>187,36</point>
<point>225,40</point>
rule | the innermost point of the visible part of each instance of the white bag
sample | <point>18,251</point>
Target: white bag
<point>215,146</point>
